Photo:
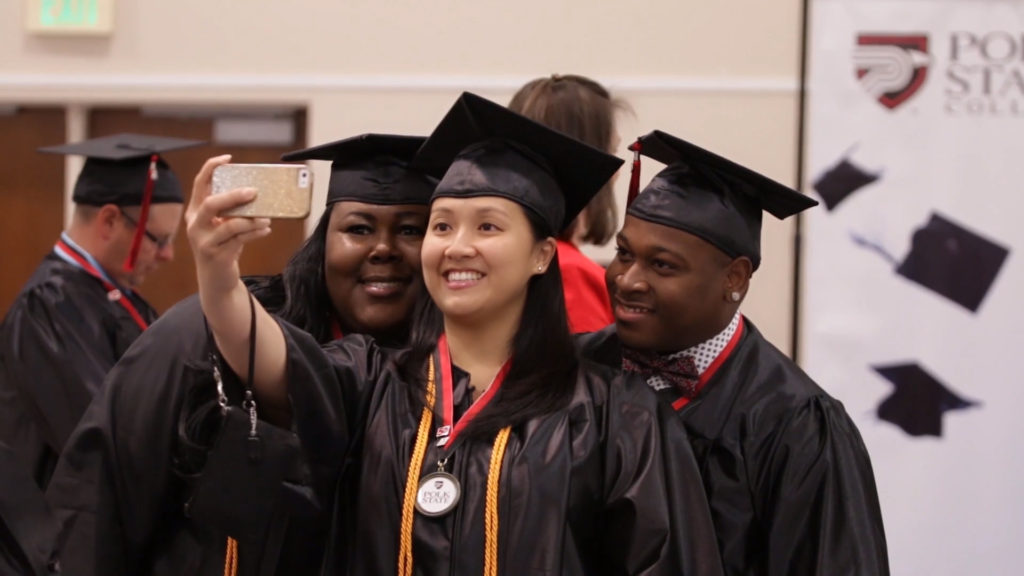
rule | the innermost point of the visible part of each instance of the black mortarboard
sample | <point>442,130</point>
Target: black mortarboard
<point>953,261</point>
<point>373,169</point>
<point>117,168</point>
<point>481,148</point>
<point>918,400</point>
<point>838,182</point>
<point>126,170</point>
<point>709,196</point>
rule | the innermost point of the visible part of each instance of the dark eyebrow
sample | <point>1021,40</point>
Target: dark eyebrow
<point>653,250</point>
<point>663,250</point>
<point>489,211</point>
<point>479,212</point>
<point>363,215</point>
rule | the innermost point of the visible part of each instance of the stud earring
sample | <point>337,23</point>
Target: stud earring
<point>735,296</point>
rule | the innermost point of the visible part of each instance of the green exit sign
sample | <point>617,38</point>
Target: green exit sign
<point>70,16</point>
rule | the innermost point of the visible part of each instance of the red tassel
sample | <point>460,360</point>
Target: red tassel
<point>140,228</point>
<point>634,175</point>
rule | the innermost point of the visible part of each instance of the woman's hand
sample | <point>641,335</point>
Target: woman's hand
<point>217,242</point>
<point>216,245</point>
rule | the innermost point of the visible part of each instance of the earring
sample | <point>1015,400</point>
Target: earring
<point>735,296</point>
<point>540,268</point>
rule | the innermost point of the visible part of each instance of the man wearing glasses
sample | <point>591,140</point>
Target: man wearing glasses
<point>80,310</point>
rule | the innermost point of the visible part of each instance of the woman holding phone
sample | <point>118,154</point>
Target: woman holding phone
<point>122,484</point>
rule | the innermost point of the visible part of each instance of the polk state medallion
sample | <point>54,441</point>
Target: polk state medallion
<point>438,494</point>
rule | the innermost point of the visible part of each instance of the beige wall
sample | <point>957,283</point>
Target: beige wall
<point>722,74</point>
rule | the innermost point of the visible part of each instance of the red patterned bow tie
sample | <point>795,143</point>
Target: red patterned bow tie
<point>680,371</point>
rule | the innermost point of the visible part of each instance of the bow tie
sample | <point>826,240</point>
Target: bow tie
<point>680,372</point>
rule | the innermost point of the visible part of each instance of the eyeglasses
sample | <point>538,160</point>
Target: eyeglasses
<point>160,242</point>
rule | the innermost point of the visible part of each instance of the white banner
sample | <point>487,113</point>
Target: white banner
<point>913,277</point>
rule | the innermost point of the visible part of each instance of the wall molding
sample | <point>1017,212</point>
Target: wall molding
<point>20,82</point>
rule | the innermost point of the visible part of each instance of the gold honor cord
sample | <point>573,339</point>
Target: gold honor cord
<point>491,511</point>
<point>412,481</point>
<point>231,558</point>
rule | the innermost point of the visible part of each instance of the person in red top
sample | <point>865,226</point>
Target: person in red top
<point>586,295</point>
<point>584,109</point>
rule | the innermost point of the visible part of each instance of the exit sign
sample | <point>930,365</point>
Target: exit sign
<point>71,17</point>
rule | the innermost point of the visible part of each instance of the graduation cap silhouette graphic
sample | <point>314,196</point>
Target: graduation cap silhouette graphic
<point>840,181</point>
<point>948,259</point>
<point>918,400</point>
<point>953,261</point>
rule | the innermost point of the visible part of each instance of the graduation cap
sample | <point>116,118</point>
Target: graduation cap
<point>481,148</point>
<point>709,196</point>
<point>918,400</point>
<point>373,169</point>
<point>953,261</point>
<point>839,182</point>
<point>118,168</point>
<point>126,170</point>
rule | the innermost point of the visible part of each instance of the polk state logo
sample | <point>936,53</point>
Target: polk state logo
<point>892,67</point>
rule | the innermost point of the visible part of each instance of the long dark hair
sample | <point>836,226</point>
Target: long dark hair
<point>299,294</point>
<point>542,377</point>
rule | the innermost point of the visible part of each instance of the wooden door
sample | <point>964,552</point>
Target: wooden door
<point>177,279</point>
<point>31,193</point>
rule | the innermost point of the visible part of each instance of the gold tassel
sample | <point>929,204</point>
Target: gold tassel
<point>231,558</point>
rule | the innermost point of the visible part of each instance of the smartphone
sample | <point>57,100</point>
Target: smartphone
<point>282,190</point>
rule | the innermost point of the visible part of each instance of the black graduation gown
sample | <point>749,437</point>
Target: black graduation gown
<point>27,531</point>
<point>59,339</point>
<point>787,475</point>
<point>582,491</point>
<point>119,490</point>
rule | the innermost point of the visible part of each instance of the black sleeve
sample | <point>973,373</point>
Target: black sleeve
<point>113,490</point>
<point>330,388</point>
<point>657,519</point>
<point>818,497</point>
<point>55,355</point>
<point>27,530</point>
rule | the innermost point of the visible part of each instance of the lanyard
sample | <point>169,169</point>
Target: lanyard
<point>113,293</point>
<point>439,492</point>
<point>449,429</point>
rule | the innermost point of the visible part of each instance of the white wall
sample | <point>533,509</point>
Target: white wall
<point>724,74</point>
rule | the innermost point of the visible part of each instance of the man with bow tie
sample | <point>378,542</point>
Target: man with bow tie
<point>787,476</point>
